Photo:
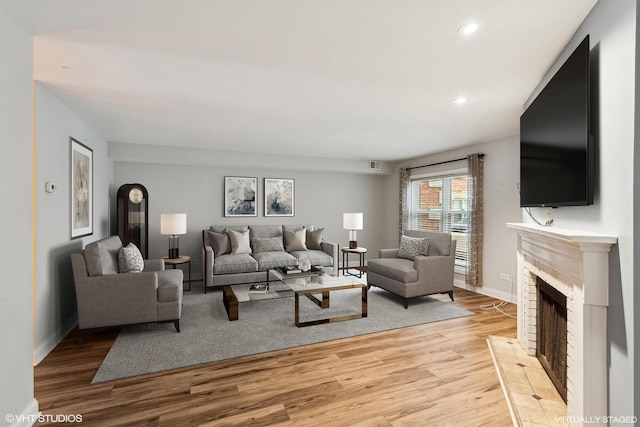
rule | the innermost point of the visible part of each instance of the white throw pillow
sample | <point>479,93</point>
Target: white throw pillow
<point>130,259</point>
<point>240,242</point>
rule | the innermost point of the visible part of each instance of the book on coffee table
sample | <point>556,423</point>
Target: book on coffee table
<point>259,288</point>
<point>290,270</point>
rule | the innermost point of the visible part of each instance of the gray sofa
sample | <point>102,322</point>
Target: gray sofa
<point>417,274</point>
<point>270,246</point>
<point>106,297</point>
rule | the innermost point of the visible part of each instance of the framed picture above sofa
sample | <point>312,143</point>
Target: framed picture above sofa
<point>240,196</point>
<point>279,194</point>
<point>81,189</point>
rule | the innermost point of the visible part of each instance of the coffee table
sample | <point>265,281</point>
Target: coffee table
<point>282,285</point>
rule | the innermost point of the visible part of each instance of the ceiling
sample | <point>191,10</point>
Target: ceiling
<point>351,79</point>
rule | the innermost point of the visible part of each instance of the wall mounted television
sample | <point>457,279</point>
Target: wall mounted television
<point>556,145</point>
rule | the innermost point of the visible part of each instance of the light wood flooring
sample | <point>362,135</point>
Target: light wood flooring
<point>438,374</point>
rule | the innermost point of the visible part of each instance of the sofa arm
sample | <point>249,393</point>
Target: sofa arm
<point>116,299</point>
<point>388,253</point>
<point>156,264</point>
<point>331,249</point>
<point>208,259</point>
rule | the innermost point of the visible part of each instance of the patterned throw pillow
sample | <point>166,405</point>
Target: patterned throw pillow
<point>267,244</point>
<point>130,259</point>
<point>411,247</point>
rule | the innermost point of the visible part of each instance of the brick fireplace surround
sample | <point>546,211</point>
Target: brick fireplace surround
<point>576,263</point>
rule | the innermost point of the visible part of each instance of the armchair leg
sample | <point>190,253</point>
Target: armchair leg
<point>406,303</point>
<point>451,295</point>
<point>83,335</point>
<point>176,323</point>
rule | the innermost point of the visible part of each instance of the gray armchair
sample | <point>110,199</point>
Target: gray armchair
<point>424,275</point>
<point>108,298</point>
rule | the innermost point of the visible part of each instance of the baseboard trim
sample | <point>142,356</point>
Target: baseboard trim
<point>504,296</point>
<point>45,347</point>
<point>27,417</point>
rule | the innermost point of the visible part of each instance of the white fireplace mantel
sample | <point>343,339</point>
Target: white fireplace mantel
<point>575,263</point>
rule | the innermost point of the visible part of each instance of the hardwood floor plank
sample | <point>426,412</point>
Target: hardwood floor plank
<point>435,374</point>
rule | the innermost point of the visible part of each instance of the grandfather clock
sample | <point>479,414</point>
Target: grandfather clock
<point>133,216</point>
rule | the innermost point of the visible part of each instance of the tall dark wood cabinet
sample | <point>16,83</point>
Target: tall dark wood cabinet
<point>133,216</point>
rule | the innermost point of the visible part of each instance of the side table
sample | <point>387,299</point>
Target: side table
<point>183,259</point>
<point>345,261</point>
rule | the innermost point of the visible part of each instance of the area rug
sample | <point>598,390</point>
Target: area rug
<point>207,334</point>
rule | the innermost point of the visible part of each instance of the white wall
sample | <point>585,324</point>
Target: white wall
<point>16,374</point>
<point>501,205</point>
<point>321,196</point>
<point>55,302</point>
<point>612,28</point>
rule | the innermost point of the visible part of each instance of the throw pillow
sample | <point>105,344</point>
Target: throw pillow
<point>295,240</point>
<point>219,243</point>
<point>267,244</point>
<point>411,247</point>
<point>130,259</point>
<point>240,243</point>
<point>314,239</point>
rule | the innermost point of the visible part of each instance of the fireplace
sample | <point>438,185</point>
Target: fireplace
<point>551,332</point>
<point>575,265</point>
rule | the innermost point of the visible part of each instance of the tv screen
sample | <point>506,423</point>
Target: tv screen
<point>556,148</point>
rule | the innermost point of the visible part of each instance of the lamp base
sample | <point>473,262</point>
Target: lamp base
<point>174,253</point>
<point>353,244</point>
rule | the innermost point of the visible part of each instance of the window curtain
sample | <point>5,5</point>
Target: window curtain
<point>473,274</point>
<point>404,201</point>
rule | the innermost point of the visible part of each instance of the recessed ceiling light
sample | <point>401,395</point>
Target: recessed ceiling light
<point>460,100</point>
<point>468,28</point>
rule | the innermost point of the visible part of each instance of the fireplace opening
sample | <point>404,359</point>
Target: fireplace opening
<point>551,328</point>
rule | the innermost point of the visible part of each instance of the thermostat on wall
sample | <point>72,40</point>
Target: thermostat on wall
<point>49,187</point>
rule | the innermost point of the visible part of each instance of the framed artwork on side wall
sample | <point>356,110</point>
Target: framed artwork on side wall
<point>279,197</point>
<point>240,196</point>
<point>81,189</point>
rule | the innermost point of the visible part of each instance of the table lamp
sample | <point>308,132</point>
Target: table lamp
<point>352,222</point>
<point>172,225</point>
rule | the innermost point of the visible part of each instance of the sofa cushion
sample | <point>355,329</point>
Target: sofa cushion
<point>411,247</point>
<point>399,269</point>
<point>439,243</point>
<point>295,240</point>
<point>239,263</point>
<point>102,256</point>
<point>130,259</point>
<point>219,242</point>
<point>267,244</point>
<point>240,243</point>
<point>314,239</point>
<point>267,260</point>
<point>169,285</point>
<point>316,257</point>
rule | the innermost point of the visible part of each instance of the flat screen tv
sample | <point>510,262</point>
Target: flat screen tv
<point>556,146</point>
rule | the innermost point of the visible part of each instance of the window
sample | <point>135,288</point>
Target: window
<point>441,203</point>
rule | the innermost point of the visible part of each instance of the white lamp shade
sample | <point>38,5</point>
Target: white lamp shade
<point>173,223</point>
<point>352,221</point>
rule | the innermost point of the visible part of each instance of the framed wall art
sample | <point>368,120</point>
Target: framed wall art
<point>81,189</point>
<point>240,196</point>
<point>279,197</point>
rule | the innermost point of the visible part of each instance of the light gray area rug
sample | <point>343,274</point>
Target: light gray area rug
<point>207,334</point>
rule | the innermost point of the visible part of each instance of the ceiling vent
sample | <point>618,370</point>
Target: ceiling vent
<point>375,165</point>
